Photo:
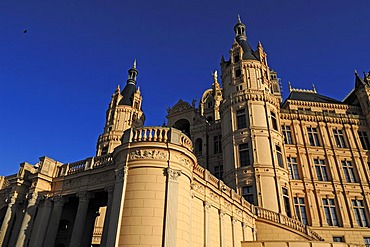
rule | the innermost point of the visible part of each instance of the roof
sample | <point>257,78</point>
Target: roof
<point>128,94</point>
<point>311,96</point>
<point>248,53</point>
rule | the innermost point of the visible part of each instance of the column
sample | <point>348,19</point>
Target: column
<point>117,207</point>
<point>79,225</point>
<point>221,215</point>
<point>104,236</point>
<point>54,220</point>
<point>170,232</point>
<point>245,233</point>
<point>207,207</point>
<point>41,223</point>
<point>6,227</point>
<point>233,228</point>
<point>28,219</point>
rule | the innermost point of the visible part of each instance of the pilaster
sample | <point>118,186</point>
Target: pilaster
<point>171,207</point>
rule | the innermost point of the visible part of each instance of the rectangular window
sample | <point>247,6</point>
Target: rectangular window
<point>287,133</point>
<point>339,138</point>
<point>238,73</point>
<point>217,146</point>
<point>338,239</point>
<point>367,241</point>
<point>219,171</point>
<point>313,136</point>
<point>279,155</point>
<point>364,140</point>
<point>241,120</point>
<point>286,202</point>
<point>300,209</point>
<point>244,155</point>
<point>248,193</point>
<point>359,211</point>
<point>348,170</point>
<point>330,212</point>
<point>293,168</point>
<point>274,121</point>
<point>320,168</point>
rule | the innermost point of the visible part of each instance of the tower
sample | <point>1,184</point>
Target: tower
<point>252,143</point>
<point>124,112</point>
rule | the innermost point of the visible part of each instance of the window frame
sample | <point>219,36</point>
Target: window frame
<point>244,155</point>
<point>287,133</point>
<point>320,167</point>
<point>330,209</point>
<point>241,119</point>
<point>313,136</point>
<point>300,209</point>
<point>339,138</point>
<point>293,169</point>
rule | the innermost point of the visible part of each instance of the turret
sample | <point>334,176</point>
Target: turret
<point>124,112</point>
<point>253,154</point>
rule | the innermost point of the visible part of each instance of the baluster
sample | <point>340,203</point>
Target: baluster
<point>150,134</point>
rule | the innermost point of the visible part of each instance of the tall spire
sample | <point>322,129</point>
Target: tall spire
<point>132,73</point>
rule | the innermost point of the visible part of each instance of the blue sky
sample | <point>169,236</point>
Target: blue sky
<point>56,80</point>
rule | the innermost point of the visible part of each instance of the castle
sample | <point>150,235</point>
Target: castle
<point>242,168</point>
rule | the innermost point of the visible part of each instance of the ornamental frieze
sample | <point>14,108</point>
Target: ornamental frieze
<point>197,187</point>
<point>148,154</point>
<point>75,183</point>
<point>101,178</point>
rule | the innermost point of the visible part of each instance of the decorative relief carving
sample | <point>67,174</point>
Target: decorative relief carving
<point>207,206</point>
<point>173,174</point>
<point>75,183</point>
<point>101,178</point>
<point>198,187</point>
<point>148,154</point>
<point>183,160</point>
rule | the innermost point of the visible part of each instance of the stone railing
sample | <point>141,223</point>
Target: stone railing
<point>286,221</point>
<point>158,134</point>
<point>86,164</point>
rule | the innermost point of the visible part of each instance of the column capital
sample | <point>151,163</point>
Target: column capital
<point>59,199</point>
<point>207,206</point>
<point>173,174</point>
<point>120,173</point>
<point>84,195</point>
<point>109,189</point>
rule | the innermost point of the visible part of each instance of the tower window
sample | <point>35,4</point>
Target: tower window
<point>364,140</point>
<point>219,171</point>
<point>286,202</point>
<point>247,192</point>
<point>238,73</point>
<point>244,157</point>
<point>217,145</point>
<point>198,146</point>
<point>339,138</point>
<point>293,168</point>
<point>330,212</point>
<point>313,136</point>
<point>359,211</point>
<point>320,168</point>
<point>241,120</point>
<point>348,170</point>
<point>287,133</point>
<point>300,209</point>
<point>274,121</point>
<point>279,155</point>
